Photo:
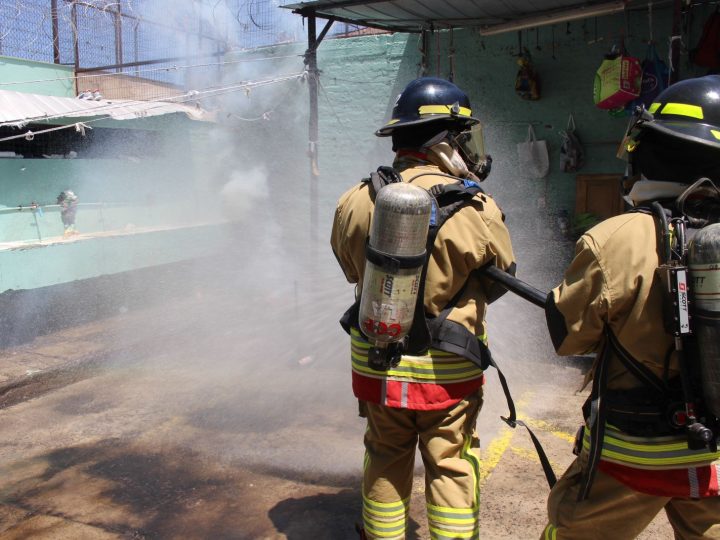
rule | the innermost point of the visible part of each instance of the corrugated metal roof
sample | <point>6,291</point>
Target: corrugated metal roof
<point>19,108</point>
<point>416,15</point>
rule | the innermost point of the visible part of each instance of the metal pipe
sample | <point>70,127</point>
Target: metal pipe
<point>37,224</point>
<point>556,17</point>
<point>76,37</point>
<point>311,62</point>
<point>55,31</point>
<point>118,37</point>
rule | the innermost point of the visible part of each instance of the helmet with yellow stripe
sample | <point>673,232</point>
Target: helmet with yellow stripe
<point>689,110</point>
<point>430,99</point>
<point>678,138</point>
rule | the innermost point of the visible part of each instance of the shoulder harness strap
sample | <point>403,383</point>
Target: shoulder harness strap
<point>381,178</point>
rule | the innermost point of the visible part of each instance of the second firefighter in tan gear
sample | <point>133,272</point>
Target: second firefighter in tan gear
<point>611,302</point>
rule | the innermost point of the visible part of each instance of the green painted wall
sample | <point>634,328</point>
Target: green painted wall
<point>36,77</point>
<point>122,193</point>
<point>133,212</point>
<point>361,77</point>
<point>75,259</point>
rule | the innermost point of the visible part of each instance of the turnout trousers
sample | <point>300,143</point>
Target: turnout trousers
<point>614,510</point>
<point>449,446</point>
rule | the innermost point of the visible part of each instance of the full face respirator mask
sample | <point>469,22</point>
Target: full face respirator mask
<point>463,153</point>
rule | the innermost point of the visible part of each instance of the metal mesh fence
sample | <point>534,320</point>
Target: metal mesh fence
<point>144,49</point>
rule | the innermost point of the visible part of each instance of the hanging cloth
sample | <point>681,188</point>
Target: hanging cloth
<point>572,153</point>
<point>533,156</point>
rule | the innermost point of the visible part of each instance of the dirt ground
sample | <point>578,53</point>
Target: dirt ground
<point>192,420</point>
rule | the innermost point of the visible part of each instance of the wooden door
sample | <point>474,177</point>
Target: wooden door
<point>599,194</point>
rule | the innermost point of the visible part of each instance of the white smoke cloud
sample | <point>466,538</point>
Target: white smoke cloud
<point>244,191</point>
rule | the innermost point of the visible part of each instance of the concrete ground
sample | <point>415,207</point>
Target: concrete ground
<point>154,423</point>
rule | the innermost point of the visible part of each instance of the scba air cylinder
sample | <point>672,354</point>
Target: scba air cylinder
<point>395,258</point>
<point>704,267</point>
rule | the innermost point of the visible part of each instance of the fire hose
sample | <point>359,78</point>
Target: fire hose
<point>519,287</point>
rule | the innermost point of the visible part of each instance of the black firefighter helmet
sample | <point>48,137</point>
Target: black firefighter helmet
<point>689,110</point>
<point>679,140</point>
<point>430,99</point>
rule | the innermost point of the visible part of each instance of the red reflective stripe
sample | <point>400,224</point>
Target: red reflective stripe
<point>664,483</point>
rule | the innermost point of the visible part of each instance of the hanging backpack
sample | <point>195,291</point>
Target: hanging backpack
<point>617,80</point>
<point>655,75</point>
<point>527,82</point>
<point>572,154</point>
<point>707,52</point>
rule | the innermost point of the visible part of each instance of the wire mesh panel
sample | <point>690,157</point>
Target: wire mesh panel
<point>149,39</point>
<point>26,29</point>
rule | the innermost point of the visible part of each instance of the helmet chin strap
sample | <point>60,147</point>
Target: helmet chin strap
<point>449,158</point>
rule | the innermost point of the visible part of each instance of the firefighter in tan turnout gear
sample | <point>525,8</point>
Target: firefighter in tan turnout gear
<point>649,442</point>
<point>427,391</point>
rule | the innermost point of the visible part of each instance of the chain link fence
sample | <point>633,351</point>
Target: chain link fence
<point>144,49</point>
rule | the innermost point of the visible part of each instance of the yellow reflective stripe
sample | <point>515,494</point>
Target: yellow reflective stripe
<point>423,363</point>
<point>364,346</point>
<point>434,509</point>
<point>453,521</point>
<point>670,447</point>
<point>439,534</point>
<point>385,515</point>
<point>388,506</point>
<point>474,461</point>
<point>654,107</point>
<point>442,109</point>
<point>436,366</point>
<point>385,520</point>
<point>650,454</point>
<point>454,516</point>
<point>715,133</point>
<point>382,530</point>
<point>550,532</point>
<point>432,367</point>
<point>401,372</point>
<point>447,522</point>
<point>683,109</point>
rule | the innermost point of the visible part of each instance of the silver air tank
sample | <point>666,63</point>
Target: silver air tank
<point>395,259</point>
<point>704,268</point>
